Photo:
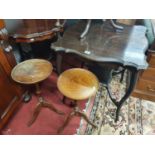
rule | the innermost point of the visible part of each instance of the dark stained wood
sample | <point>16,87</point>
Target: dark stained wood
<point>11,92</point>
<point>106,49</point>
<point>103,44</point>
<point>34,30</point>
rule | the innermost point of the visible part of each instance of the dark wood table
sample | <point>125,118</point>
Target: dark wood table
<point>107,50</point>
<point>33,31</point>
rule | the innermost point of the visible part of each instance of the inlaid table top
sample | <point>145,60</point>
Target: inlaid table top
<point>77,83</point>
<point>31,71</point>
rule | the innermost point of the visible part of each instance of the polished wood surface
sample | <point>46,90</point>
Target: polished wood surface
<point>34,71</point>
<point>77,83</point>
<point>106,48</point>
<point>33,30</point>
<point>149,74</point>
<point>151,58</point>
<point>11,92</point>
<point>31,71</point>
<point>2,24</point>
<point>103,44</point>
<point>145,88</point>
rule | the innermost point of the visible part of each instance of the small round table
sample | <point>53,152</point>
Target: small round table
<point>30,72</point>
<point>77,84</point>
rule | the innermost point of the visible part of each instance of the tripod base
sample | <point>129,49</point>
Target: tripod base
<point>42,104</point>
<point>76,112</point>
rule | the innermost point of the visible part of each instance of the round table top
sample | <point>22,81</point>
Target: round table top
<point>77,83</point>
<point>31,71</point>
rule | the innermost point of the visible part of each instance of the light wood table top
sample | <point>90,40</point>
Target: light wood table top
<point>31,71</point>
<point>77,83</point>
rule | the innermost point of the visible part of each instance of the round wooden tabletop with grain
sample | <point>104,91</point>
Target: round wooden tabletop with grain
<point>31,71</point>
<point>77,83</point>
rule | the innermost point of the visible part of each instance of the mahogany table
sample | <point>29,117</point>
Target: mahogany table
<point>107,50</point>
<point>77,84</point>
<point>30,72</point>
<point>34,31</point>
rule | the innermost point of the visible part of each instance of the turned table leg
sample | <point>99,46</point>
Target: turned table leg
<point>42,103</point>
<point>35,113</point>
<point>133,79</point>
<point>75,112</point>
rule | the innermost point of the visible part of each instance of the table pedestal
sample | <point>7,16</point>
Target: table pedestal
<point>76,112</point>
<point>42,103</point>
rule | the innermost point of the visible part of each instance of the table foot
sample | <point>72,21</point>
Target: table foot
<point>85,117</point>
<point>42,104</point>
<point>35,114</point>
<point>76,112</point>
<point>70,116</point>
<point>117,114</point>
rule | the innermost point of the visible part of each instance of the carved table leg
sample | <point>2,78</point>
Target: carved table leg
<point>76,112</point>
<point>84,116</point>
<point>70,116</point>
<point>122,75</point>
<point>42,104</point>
<point>38,90</point>
<point>51,107</point>
<point>133,80</point>
<point>35,113</point>
<point>64,100</point>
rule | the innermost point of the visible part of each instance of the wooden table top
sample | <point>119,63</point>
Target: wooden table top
<point>32,30</point>
<point>77,83</point>
<point>105,45</point>
<point>31,71</point>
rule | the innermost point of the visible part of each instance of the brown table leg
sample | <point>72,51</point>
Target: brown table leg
<point>35,113</point>
<point>38,90</point>
<point>42,104</point>
<point>76,112</point>
<point>70,116</point>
